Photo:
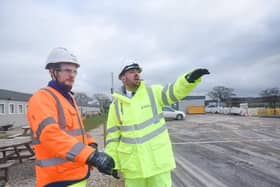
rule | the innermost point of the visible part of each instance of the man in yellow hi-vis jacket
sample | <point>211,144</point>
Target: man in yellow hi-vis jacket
<point>136,135</point>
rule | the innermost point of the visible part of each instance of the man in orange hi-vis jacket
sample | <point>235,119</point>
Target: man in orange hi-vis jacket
<point>64,151</point>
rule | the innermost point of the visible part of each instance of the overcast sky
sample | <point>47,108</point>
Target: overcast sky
<point>237,40</point>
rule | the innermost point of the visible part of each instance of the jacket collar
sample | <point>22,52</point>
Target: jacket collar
<point>121,94</point>
<point>61,90</point>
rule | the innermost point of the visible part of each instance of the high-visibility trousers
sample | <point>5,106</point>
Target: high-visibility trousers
<point>82,183</point>
<point>160,180</point>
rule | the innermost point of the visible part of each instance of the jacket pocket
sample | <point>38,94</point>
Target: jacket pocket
<point>161,148</point>
<point>70,118</point>
<point>127,158</point>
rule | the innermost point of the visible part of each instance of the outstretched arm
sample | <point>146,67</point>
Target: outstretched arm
<point>174,92</point>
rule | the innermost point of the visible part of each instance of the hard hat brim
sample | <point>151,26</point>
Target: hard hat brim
<point>49,65</point>
<point>125,70</point>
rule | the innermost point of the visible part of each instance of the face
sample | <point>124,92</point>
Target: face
<point>66,75</point>
<point>131,79</point>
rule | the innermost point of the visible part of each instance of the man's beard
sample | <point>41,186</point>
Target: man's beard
<point>66,87</point>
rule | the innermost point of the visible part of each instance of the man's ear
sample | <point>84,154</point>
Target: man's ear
<point>123,79</point>
<point>52,73</point>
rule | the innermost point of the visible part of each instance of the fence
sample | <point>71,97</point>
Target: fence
<point>269,112</point>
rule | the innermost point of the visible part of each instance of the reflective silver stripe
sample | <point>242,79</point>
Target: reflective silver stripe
<point>142,125</point>
<point>50,162</point>
<point>164,96</point>
<point>171,93</point>
<point>144,138</point>
<point>152,100</point>
<point>35,141</point>
<point>112,129</point>
<point>88,135</point>
<point>117,111</point>
<point>61,118</point>
<point>112,140</point>
<point>80,123</point>
<point>74,151</point>
<point>41,126</point>
<point>74,132</point>
<point>155,119</point>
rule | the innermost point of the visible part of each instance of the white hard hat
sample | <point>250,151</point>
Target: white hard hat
<point>60,55</point>
<point>128,67</point>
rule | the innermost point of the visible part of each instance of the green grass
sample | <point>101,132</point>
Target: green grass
<point>3,135</point>
<point>94,121</point>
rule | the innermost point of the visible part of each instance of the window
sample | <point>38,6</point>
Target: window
<point>168,109</point>
<point>2,109</point>
<point>26,107</point>
<point>20,109</point>
<point>12,109</point>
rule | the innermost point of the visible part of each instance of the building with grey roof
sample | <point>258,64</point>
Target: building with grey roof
<point>13,107</point>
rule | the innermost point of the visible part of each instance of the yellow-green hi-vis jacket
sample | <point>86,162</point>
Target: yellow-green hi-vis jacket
<point>136,134</point>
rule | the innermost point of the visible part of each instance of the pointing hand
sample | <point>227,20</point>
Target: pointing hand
<point>196,74</point>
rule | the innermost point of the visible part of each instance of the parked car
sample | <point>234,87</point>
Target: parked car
<point>213,109</point>
<point>170,113</point>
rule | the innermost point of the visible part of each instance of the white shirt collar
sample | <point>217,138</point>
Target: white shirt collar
<point>128,93</point>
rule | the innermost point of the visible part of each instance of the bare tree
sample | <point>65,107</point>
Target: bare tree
<point>272,96</point>
<point>221,93</point>
<point>270,92</point>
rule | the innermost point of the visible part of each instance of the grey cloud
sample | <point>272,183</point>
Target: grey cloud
<point>237,41</point>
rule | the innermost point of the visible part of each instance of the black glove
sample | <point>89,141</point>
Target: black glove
<point>102,161</point>
<point>115,174</point>
<point>196,74</point>
<point>94,145</point>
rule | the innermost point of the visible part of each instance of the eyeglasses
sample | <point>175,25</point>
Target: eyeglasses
<point>68,71</point>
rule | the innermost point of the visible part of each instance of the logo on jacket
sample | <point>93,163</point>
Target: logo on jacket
<point>145,106</point>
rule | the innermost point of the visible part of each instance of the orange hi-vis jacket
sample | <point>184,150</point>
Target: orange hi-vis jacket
<point>59,138</point>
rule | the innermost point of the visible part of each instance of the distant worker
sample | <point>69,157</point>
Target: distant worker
<point>64,151</point>
<point>136,134</point>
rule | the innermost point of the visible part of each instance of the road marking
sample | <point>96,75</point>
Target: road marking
<point>203,177</point>
<point>226,141</point>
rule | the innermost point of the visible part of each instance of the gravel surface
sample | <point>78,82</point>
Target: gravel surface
<point>23,175</point>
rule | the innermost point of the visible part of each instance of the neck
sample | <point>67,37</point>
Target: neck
<point>132,89</point>
<point>60,86</point>
<point>63,86</point>
<point>62,90</point>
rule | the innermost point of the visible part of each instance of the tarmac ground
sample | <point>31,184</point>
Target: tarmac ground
<point>216,150</point>
<point>211,150</point>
